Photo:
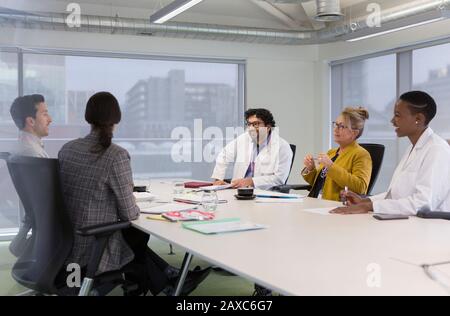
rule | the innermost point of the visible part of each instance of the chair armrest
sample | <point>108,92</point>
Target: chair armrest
<point>102,229</point>
<point>101,232</point>
<point>285,188</point>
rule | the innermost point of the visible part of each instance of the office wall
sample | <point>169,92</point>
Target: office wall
<point>281,78</point>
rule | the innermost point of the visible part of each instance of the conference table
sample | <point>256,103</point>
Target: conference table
<point>304,252</point>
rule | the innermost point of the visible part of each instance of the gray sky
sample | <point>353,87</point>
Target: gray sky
<point>119,75</point>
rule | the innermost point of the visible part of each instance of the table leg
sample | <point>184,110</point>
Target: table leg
<point>184,271</point>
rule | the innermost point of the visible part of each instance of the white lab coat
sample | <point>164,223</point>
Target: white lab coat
<point>421,180</point>
<point>272,165</point>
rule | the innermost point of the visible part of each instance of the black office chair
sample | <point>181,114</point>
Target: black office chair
<point>376,152</point>
<point>294,149</point>
<point>41,265</point>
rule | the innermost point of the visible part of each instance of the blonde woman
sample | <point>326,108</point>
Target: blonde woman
<point>348,166</point>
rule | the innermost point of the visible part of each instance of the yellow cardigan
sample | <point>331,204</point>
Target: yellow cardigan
<point>352,168</point>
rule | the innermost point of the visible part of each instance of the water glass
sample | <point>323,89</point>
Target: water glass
<point>178,187</point>
<point>209,201</point>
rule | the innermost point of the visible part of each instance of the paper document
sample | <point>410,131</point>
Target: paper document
<point>192,198</point>
<point>216,187</point>
<point>222,226</point>
<point>278,200</point>
<point>273,195</point>
<point>143,196</point>
<point>321,211</point>
<point>163,208</point>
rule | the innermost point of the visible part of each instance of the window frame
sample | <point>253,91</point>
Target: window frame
<point>404,79</point>
<point>7,234</point>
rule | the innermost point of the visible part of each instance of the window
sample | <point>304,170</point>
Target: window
<point>370,83</point>
<point>376,83</point>
<point>431,73</point>
<point>8,136</point>
<point>157,97</point>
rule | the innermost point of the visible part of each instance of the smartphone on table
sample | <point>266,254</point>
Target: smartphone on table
<point>387,217</point>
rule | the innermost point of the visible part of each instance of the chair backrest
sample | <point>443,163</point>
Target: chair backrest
<point>376,152</point>
<point>37,183</point>
<point>293,148</point>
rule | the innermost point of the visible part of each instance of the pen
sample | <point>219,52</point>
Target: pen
<point>345,198</point>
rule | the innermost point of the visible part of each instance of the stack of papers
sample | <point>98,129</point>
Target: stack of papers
<point>277,200</point>
<point>222,226</point>
<point>143,196</point>
<point>192,199</point>
<point>262,194</point>
<point>169,207</point>
<point>216,187</point>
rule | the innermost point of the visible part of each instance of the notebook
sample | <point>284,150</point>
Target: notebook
<point>189,215</point>
<point>196,184</point>
<point>226,225</point>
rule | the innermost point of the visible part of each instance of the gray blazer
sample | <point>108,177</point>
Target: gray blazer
<point>98,188</point>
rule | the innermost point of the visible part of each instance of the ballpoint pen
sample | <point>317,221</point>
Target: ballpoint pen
<point>344,200</point>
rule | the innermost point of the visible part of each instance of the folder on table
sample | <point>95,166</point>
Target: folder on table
<point>226,225</point>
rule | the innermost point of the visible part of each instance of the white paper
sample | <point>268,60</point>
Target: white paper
<point>169,207</point>
<point>278,200</point>
<point>321,211</point>
<point>278,194</point>
<point>143,196</point>
<point>216,187</point>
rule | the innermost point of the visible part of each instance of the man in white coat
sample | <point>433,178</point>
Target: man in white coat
<point>261,158</point>
<point>421,180</point>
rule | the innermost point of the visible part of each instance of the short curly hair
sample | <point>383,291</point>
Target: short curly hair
<point>262,114</point>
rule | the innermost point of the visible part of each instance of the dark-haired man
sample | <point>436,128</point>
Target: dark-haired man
<point>262,159</point>
<point>30,114</point>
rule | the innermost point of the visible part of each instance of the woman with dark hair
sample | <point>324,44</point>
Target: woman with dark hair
<point>420,182</point>
<point>98,188</point>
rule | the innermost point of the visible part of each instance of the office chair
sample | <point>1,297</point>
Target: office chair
<point>376,152</point>
<point>294,149</point>
<point>42,263</point>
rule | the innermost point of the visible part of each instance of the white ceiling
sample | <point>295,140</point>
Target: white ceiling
<point>240,13</point>
<point>243,13</point>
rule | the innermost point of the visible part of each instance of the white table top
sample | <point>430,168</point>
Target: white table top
<point>301,253</point>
